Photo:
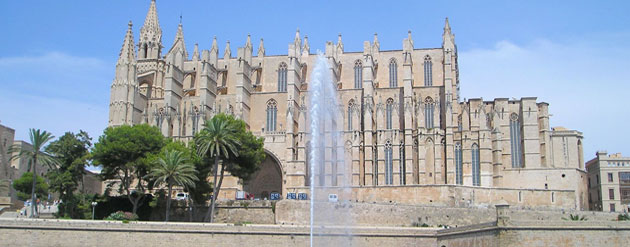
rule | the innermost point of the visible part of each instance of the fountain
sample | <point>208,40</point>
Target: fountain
<point>330,174</point>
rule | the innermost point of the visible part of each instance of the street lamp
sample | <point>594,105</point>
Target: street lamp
<point>93,206</point>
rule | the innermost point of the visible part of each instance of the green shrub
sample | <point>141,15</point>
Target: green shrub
<point>623,217</point>
<point>124,216</point>
<point>575,218</point>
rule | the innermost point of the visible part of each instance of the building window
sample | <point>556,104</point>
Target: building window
<point>429,105</point>
<point>272,113</point>
<point>389,108</point>
<point>610,177</point>
<point>393,73</point>
<point>624,178</point>
<point>611,194</point>
<point>475,165</point>
<point>402,169</point>
<point>459,179</point>
<point>282,77</point>
<point>358,74</point>
<point>428,71</point>
<point>612,207</point>
<point>515,141</point>
<point>389,175</point>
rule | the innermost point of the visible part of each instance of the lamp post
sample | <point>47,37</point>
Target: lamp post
<point>93,206</point>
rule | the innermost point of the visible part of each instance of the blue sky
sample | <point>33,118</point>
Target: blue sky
<point>57,57</point>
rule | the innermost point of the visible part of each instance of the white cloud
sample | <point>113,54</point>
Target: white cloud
<point>585,82</point>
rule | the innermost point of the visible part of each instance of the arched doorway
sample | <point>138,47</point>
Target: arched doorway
<point>267,180</point>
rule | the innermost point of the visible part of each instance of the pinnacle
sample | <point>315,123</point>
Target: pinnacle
<point>127,51</point>
<point>151,22</point>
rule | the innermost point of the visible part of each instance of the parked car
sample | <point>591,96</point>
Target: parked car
<point>181,196</point>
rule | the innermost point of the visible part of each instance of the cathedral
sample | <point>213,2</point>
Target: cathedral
<point>404,127</point>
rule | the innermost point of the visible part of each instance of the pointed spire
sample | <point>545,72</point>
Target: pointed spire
<point>448,38</point>
<point>249,41</point>
<point>179,40</point>
<point>339,42</point>
<point>228,52</point>
<point>297,36</point>
<point>447,26</point>
<point>408,42</point>
<point>180,33</point>
<point>261,49</point>
<point>127,52</point>
<point>376,46</point>
<point>195,55</point>
<point>150,43</point>
<point>151,22</point>
<point>215,47</point>
<point>306,49</point>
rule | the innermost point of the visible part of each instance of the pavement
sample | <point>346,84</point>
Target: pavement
<point>44,212</point>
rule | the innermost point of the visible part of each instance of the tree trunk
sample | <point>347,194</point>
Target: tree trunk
<point>168,200</point>
<point>218,189</point>
<point>214,190</point>
<point>33,197</point>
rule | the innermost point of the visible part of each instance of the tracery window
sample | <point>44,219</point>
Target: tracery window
<point>476,173</point>
<point>272,112</point>
<point>388,112</point>
<point>515,141</point>
<point>393,73</point>
<point>428,71</point>
<point>358,74</point>
<point>282,77</point>
<point>458,164</point>
<point>429,105</point>
<point>389,175</point>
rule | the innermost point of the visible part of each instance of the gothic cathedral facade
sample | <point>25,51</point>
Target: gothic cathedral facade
<point>403,121</point>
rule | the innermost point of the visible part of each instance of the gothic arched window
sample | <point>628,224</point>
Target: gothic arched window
<point>350,106</point>
<point>428,71</point>
<point>272,113</point>
<point>389,175</point>
<point>476,173</point>
<point>389,108</point>
<point>393,73</point>
<point>282,77</point>
<point>515,141</point>
<point>458,164</point>
<point>358,74</point>
<point>428,112</point>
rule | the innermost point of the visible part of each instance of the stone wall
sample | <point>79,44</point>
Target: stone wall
<point>368,214</point>
<point>451,196</point>
<point>252,212</point>
<point>37,232</point>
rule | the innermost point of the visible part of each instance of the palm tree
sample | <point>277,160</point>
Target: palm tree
<point>217,139</point>
<point>34,156</point>
<point>173,169</point>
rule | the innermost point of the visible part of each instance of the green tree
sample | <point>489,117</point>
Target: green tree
<point>173,169</point>
<point>123,153</point>
<point>24,186</point>
<point>217,140</point>
<point>34,156</point>
<point>227,139</point>
<point>198,194</point>
<point>71,150</point>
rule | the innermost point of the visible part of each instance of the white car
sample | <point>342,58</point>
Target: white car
<point>181,196</point>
